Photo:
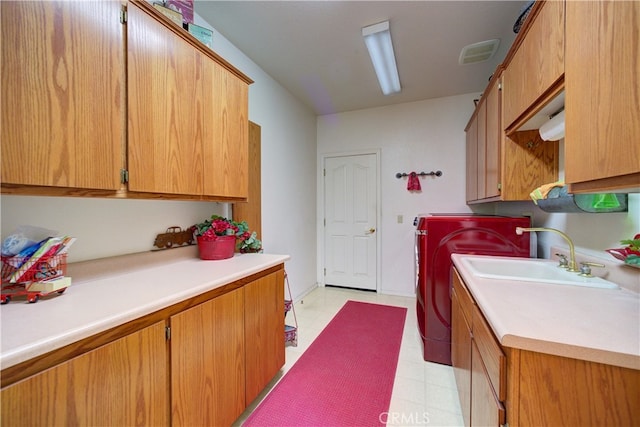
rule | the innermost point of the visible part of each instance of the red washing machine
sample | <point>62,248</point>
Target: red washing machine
<point>437,237</point>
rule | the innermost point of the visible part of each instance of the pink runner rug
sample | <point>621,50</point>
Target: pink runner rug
<point>345,378</point>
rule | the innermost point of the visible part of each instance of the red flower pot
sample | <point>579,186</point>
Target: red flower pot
<point>222,247</point>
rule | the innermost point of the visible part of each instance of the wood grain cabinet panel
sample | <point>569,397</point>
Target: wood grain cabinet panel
<point>62,94</point>
<point>123,383</point>
<point>226,133</point>
<point>555,390</point>
<point>486,409</point>
<point>165,108</point>
<point>493,140</point>
<point>538,61</point>
<point>264,331</point>
<point>187,115</point>
<point>472,159</point>
<point>482,149</point>
<point>251,210</point>
<point>527,163</point>
<point>208,362</point>
<point>602,141</point>
<point>461,355</point>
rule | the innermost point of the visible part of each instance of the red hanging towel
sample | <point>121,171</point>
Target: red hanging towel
<point>414,182</point>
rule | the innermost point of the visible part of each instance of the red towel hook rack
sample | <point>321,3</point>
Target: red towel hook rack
<point>432,173</point>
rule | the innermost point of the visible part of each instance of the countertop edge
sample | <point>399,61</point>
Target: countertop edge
<point>63,337</point>
<point>567,350</point>
<point>521,342</point>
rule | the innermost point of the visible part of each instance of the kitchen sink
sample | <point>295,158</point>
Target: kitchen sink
<point>530,270</point>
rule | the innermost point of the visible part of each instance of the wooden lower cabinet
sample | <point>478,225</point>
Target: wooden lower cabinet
<point>559,391</point>
<point>478,377</point>
<point>486,409</point>
<point>123,383</point>
<point>207,362</point>
<point>263,331</point>
<point>533,389</point>
<point>224,347</point>
<point>461,356</point>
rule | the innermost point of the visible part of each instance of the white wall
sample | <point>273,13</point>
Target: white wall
<point>418,136</point>
<point>429,135</point>
<point>103,227</point>
<point>288,148</point>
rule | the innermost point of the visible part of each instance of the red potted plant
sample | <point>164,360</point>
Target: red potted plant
<point>218,238</point>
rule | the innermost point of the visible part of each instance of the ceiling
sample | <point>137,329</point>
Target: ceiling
<point>315,48</point>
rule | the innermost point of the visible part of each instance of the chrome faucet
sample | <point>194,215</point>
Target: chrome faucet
<point>573,266</point>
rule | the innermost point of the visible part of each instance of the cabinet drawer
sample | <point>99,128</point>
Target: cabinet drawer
<point>486,408</point>
<point>491,353</point>
<point>465,298</point>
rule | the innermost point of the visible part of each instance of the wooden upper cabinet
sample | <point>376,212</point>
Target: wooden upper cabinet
<point>472,159</point>
<point>493,140</point>
<point>528,162</point>
<point>187,114</point>
<point>62,93</point>
<point>226,133</point>
<point>602,140</point>
<point>537,63</point>
<point>165,108</point>
<point>482,148</point>
<point>251,210</point>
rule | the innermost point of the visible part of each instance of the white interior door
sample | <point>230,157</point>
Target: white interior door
<point>351,205</point>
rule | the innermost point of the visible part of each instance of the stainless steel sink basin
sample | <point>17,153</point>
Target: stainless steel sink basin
<point>530,270</point>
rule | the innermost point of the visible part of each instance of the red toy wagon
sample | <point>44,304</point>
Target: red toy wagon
<point>33,278</point>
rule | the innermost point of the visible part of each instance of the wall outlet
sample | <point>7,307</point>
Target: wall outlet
<point>400,219</point>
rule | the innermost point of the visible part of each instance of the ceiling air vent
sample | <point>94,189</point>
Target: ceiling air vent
<point>478,52</point>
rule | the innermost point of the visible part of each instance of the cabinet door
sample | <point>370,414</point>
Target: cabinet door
<point>486,409</point>
<point>208,363</point>
<point>461,356</point>
<point>472,160</point>
<point>251,210</point>
<point>602,95</point>
<point>264,331</point>
<point>123,383</point>
<point>482,149</point>
<point>494,135</point>
<point>165,108</point>
<point>225,133</point>
<point>62,93</point>
<point>537,64</point>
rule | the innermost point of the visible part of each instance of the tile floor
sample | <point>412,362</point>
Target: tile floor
<point>424,394</point>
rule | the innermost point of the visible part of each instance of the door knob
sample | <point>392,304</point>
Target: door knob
<point>370,231</point>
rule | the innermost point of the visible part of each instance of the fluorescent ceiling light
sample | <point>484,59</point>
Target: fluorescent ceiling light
<point>377,37</point>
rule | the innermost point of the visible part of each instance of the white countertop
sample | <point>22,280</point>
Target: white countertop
<point>598,325</point>
<point>97,303</point>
